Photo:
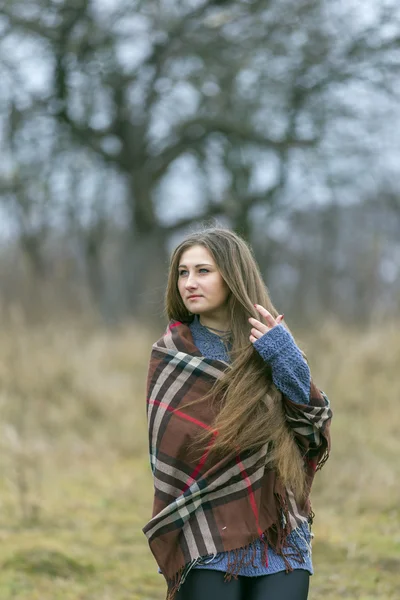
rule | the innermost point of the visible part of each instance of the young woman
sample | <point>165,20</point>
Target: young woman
<point>237,429</point>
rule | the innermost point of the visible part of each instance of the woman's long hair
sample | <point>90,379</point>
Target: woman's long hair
<point>251,413</point>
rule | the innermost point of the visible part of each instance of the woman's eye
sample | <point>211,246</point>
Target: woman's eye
<point>184,271</point>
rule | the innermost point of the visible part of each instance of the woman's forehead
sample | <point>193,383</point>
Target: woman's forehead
<point>196,255</point>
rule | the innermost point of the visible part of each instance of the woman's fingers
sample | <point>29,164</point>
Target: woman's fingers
<point>258,328</point>
<point>266,314</point>
<point>257,333</point>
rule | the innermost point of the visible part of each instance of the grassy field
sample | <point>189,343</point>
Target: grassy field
<point>75,486</point>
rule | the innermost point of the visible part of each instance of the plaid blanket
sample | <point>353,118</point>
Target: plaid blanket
<point>209,506</point>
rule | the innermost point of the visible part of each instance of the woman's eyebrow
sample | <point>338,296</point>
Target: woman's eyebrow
<point>200,265</point>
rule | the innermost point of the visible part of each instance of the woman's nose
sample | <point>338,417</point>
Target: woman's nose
<point>191,281</point>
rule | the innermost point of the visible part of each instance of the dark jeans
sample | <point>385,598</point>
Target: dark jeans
<point>206,584</point>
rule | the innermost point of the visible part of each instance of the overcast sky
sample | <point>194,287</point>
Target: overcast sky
<point>181,191</point>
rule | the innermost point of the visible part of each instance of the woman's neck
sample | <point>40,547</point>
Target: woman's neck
<point>218,323</point>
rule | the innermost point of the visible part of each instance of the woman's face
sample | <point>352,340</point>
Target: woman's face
<point>200,284</point>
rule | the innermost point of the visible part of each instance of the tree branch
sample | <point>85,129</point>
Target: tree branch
<point>35,27</point>
<point>194,131</point>
<point>161,51</point>
<point>226,207</point>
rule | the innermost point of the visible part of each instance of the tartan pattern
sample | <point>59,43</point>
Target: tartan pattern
<point>196,504</point>
<point>309,422</point>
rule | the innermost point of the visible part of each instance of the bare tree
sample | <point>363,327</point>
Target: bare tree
<point>253,94</point>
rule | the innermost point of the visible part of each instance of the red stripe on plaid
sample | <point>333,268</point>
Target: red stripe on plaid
<point>251,493</point>
<point>313,463</point>
<point>200,464</point>
<point>180,413</point>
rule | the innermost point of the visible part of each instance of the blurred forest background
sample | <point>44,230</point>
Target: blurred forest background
<point>124,125</point>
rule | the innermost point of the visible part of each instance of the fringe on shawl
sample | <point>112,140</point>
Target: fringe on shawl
<point>274,537</point>
<point>322,460</point>
<point>178,579</point>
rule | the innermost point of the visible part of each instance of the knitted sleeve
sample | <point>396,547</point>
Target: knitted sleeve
<point>307,408</point>
<point>290,372</point>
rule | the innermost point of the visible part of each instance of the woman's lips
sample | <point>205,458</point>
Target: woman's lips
<point>194,297</point>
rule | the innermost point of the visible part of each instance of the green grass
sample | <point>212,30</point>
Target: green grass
<point>88,543</point>
<point>76,489</point>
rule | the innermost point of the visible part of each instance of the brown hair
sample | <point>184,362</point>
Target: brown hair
<point>252,412</point>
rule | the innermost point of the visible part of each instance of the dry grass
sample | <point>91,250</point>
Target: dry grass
<point>76,487</point>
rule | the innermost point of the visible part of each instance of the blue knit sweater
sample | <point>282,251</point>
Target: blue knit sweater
<point>291,375</point>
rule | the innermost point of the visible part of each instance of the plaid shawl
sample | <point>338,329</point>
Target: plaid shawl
<point>214,506</point>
